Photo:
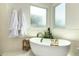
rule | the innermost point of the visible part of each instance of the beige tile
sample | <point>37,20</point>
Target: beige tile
<point>18,53</point>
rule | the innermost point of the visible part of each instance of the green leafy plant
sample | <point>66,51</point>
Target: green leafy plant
<point>47,34</point>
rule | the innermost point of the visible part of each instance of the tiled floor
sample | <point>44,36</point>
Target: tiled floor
<point>27,53</point>
<point>18,53</point>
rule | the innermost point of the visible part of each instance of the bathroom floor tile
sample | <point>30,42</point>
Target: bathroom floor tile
<point>18,53</point>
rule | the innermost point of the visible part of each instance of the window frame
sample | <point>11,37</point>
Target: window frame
<point>55,18</point>
<point>46,16</point>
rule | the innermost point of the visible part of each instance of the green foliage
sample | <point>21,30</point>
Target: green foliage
<point>48,34</point>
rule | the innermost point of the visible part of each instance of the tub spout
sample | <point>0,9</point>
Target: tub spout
<point>40,35</point>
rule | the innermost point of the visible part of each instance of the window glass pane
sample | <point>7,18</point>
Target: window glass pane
<point>60,15</point>
<point>38,16</point>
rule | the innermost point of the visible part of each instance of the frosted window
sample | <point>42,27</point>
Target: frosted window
<point>60,15</point>
<point>38,16</point>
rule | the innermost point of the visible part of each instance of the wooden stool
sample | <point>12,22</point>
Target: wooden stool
<point>25,45</point>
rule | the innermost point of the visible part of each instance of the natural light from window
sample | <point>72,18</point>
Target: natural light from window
<point>38,16</point>
<point>60,15</point>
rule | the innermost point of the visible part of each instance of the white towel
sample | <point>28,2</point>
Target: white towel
<point>22,23</point>
<point>18,24</point>
<point>13,31</point>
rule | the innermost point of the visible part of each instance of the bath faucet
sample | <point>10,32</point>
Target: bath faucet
<point>47,34</point>
<point>38,35</point>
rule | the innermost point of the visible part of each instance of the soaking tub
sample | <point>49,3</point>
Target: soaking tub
<point>44,49</point>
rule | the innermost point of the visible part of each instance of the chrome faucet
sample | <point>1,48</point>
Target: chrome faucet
<point>40,35</point>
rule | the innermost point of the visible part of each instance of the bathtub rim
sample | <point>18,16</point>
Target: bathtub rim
<point>49,45</point>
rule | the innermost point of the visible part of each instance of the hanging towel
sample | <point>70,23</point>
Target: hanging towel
<point>13,31</point>
<point>18,24</point>
<point>22,26</point>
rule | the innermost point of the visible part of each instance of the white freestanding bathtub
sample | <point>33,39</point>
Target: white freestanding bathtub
<point>44,48</point>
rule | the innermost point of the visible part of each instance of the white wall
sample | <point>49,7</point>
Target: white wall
<point>72,15</point>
